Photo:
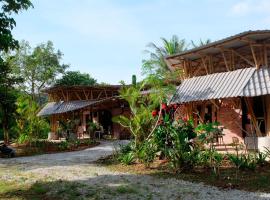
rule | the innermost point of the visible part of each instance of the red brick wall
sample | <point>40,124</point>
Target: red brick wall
<point>230,118</point>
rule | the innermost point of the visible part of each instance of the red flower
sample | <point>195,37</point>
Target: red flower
<point>175,106</point>
<point>164,106</point>
<point>185,119</point>
<point>154,113</point>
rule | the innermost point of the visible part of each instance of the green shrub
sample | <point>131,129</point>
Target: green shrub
<point>243,162</point>
<point>63,145</point>
<point>147,152</point>
<point>126,148</point>
<point>127,158</point>
<point>261,158</point>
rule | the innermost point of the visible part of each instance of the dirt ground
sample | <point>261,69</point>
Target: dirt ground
<point>75,175</point>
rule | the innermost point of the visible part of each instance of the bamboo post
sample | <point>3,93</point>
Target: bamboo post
<point>253,117</point>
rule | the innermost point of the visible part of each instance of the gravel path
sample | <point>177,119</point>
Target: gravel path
<point>67,174</point>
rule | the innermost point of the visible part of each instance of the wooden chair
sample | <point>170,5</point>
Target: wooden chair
<point>235,140</point>
<point>100,133</point>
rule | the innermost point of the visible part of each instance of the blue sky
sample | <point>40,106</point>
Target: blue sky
<point>106,38</point>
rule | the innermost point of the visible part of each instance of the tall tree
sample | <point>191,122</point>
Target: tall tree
<point>7,42</point>
<point>76,78</point>
<point>7,97</point>
<point>156,64</point>
<point>38,66</point>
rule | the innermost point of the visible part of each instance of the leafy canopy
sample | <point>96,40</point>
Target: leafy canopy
<point>76,78</point>
<point>7,81</point>
<point>7,23</point>
<point>38,66</point>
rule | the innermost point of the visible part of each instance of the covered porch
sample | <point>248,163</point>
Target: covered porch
<point>239,100</point>
<point>85,118</point>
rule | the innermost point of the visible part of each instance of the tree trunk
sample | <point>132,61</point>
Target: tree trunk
<point>5,127</point>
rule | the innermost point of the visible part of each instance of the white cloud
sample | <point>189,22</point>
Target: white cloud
<point>246,7</point>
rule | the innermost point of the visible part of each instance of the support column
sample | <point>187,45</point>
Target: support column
<point>53,134</point>
<point>267,109</point>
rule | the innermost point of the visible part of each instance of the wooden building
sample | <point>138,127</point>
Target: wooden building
<point>228,81</point>
<point>85,104</point>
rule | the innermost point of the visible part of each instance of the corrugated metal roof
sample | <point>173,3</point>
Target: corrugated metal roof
<point>241,82</point>
<point>254,34</point>
<point>49,108</point>
<point>63,107</point>
<point>258,84</point>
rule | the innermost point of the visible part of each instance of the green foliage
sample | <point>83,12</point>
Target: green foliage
<point>208,131</point>
<point>63,145</point>
<point>29,126</point>
<point>38,66</point>
<point>200,43</point>
<point>243,162</point>
<point>141,121</point>
<point>127,158</point>
<point>76,78</point>
<point>126,155</point>
<point>8,95</point>
<point>261,158</point>
<point>7,23</point>
<point>155,64</point>
<point>147,152</point>
<point>174,140</point>
<point>7,78</point>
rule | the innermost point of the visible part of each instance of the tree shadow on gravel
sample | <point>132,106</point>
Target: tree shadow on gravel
<point>124,186</point>
<point>61,159</point>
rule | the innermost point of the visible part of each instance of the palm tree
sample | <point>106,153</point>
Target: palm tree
<point>156,63</point>
<point>200,43</point>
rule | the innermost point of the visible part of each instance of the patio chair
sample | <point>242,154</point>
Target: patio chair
<point>100,133</point>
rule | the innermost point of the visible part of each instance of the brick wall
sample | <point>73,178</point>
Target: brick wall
<point>230,118</point>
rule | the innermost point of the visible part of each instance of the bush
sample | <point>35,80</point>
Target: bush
<point>147,152</point>
<point>243,162</point>
<point>63,145</point>
<point>127,158</point>
<point>261,158</point>
<point>177,145</point>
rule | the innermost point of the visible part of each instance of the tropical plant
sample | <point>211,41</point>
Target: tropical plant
<point>156,64</point>
<point>126,155</point>
<point>243,162</point>
<point>177,143</point>
<point>261,158</point>
<point>127,158</point>
<point>146,152</point>
<point>29,125</point>
<point>200,43</point>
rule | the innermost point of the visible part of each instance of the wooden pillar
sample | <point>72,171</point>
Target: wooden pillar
<point>267,109</point>
<point>253,117</point>
<point>53,134</point>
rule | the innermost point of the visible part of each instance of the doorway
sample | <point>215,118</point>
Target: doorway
<point>105,120</point>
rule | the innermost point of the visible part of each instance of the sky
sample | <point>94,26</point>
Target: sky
<point>107,38</point>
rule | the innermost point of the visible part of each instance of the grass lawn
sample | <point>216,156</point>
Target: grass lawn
<point>23,186</point>
<point>258,180</point>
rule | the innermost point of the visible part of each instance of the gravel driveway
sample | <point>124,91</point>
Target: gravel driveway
<point>73,175</point>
